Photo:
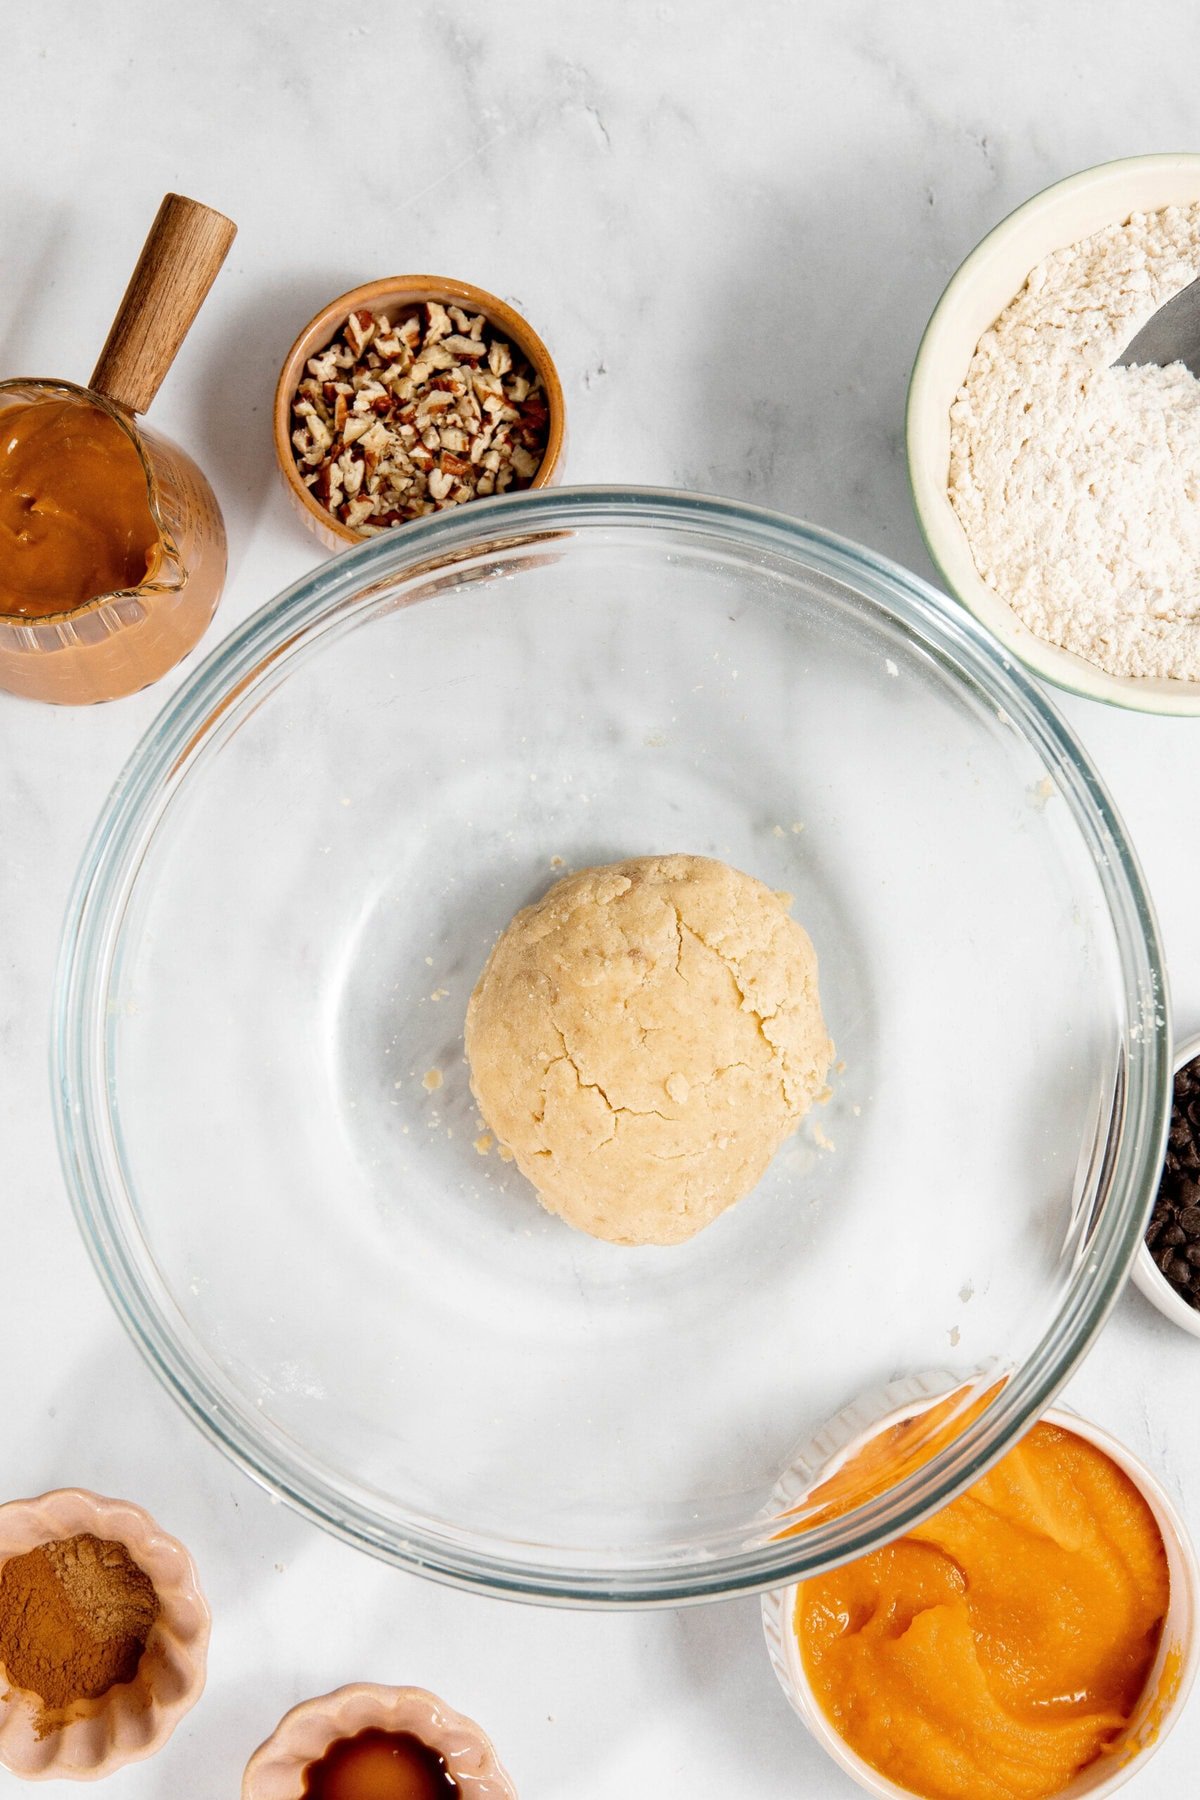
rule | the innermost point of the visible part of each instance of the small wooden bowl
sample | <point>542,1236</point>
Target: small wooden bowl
<point>392,293</point>
<point>276,1770</point>
<point>135,1718</point>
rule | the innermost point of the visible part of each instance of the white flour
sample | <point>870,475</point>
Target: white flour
<point>1078,485</point>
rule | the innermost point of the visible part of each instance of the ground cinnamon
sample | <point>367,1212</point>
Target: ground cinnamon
<point>74,1618</point>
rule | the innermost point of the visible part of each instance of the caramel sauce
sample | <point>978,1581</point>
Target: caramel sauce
<point>379,1765</point>
<point>75,519</point>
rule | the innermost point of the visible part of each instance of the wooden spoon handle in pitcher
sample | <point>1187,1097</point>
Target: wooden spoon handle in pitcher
<point>180,261</point>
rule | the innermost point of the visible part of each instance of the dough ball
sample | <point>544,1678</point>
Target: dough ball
<point>643,1039</point>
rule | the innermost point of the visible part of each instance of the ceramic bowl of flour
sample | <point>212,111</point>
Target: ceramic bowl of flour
<point>992,276</point>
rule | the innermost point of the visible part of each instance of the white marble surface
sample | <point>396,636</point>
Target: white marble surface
<point>731,225</point>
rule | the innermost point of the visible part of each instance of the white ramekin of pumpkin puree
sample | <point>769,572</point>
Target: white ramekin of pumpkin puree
<point>1035,1637</point>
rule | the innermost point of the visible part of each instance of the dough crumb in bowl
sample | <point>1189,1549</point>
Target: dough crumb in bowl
<point>643,1039</point>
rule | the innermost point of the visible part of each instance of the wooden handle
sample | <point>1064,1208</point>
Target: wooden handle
<point>180,261</point>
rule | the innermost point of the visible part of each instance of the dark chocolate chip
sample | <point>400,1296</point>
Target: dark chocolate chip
<point>1173,1233</point>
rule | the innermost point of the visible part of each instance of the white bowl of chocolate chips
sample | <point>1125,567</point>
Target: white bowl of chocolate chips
<point>1167,1269</point>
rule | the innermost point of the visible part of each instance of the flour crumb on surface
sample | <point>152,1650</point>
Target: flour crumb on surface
<point>1078,484</point>
<point>431,1081</point>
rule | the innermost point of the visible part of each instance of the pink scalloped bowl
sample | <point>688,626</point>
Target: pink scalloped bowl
<point>135,1718</point>
<point>276,1770</point>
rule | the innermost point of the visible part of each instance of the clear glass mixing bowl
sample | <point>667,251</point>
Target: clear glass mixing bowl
<point>293,889</point>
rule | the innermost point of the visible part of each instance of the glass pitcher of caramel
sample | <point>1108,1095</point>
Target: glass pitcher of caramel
<point>91,500</point>
<point>112,546</point>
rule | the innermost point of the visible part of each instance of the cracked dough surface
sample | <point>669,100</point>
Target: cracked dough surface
<point>643,1039</point>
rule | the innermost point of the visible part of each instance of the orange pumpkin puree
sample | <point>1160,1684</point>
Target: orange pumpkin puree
<point>75,519</point>
<point>996,1650</point>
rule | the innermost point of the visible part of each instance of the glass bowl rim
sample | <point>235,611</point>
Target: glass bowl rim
<point>141,797</point>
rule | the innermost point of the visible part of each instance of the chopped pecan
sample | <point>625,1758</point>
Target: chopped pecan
<point>404,415</point>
